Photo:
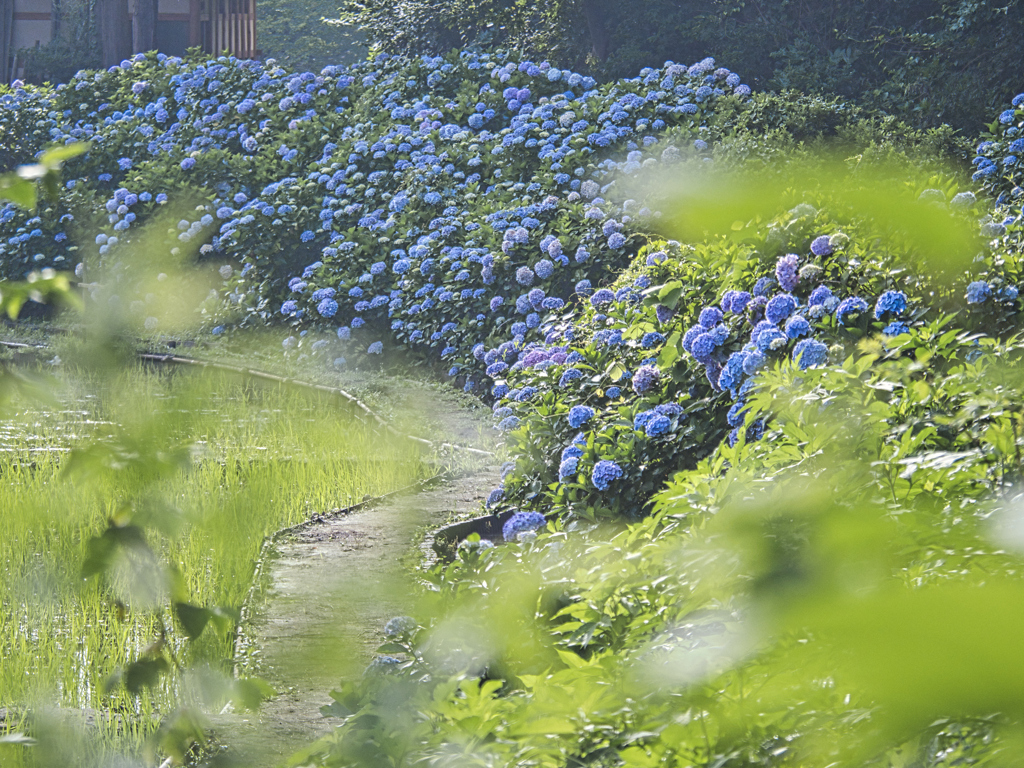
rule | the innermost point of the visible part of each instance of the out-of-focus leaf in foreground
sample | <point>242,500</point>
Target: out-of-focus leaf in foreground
<point>700,203</point>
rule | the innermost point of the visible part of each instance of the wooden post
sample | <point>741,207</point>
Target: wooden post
<point>114,31</point>
<point>194,30</point>
<point>144,26</point>
<point>6,36</point>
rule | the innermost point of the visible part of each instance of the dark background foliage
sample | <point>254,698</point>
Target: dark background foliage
<point>926,61</point>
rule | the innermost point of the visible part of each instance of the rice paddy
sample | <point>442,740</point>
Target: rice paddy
<point>210,463</point>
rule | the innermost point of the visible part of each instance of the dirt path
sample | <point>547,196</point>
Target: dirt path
<point>328,590</point>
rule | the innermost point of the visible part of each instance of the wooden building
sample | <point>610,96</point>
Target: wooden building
<point>216,26</point>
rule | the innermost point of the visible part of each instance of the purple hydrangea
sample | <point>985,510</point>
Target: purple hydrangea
<point>663,313</point>
<point>820,246</point>
<point>786,271</point>
<point>645,379</point>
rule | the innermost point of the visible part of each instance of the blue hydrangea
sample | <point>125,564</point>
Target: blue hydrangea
<point>375,348</point>
<point>652,339</point>
<point>605,473</point>
<point>797,326</point>
<point>570,374</point>
<point>890,303</point>
<point>524,276</point>
<point>710,317</point>
<point>521,522</point>
<point>580,415</point>
<point>657,425</point>
<point>810,352</point>
<point>400,626</point>
<point>602,296</point>
<point>327,308</point>
<point>779,308</point>
<point>495,496</point>
<point>849,306</point>
<point>821,246</point>
<point>895,328</point>
<point>978,292</point>
<point>568,468</point>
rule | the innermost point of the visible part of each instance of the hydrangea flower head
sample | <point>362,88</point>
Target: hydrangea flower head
<point>978,292</point>
<point>821,246</point>
<point>580,415</point>
<point>849,306</point>
<point>786,271</point>
<point>522,522</point>
<point>779,308</point>
<point>605,473</point>
<point>646,378</point>
<point>890,303</point>
<point>710,317</point>
<point>810,352</point>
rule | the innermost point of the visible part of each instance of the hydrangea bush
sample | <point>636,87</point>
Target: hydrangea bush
<point>439,202</point>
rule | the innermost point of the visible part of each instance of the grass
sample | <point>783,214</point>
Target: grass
<point>259,457</point>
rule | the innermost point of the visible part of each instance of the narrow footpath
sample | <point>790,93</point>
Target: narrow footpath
<point>327,591</point>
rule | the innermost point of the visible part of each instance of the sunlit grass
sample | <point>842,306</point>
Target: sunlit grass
<point>264,456</point>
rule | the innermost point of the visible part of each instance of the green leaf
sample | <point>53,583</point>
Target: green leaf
<point>248,693</point>
<point>193,618</point>
<point>21,192</point>
<point>144,673</point>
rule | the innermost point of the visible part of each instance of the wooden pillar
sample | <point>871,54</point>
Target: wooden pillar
<point>6,37</point>
<point>144,26</point>
<point>194,30</point>
<point>115,31</point>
